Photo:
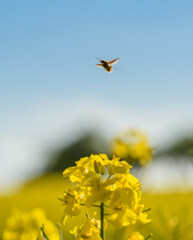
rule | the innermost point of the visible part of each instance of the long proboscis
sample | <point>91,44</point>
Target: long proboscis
<point>97,58</point>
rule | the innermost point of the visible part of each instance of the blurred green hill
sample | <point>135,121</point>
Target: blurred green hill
<point>66,156</point>
<point>180,149</point>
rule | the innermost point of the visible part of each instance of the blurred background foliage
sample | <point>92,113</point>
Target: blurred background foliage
<point>180,148</point>
<point>132,146</point>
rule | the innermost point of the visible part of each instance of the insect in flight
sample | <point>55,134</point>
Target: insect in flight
<point>107,65</point>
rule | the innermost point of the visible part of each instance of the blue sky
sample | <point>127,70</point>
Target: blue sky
<point>49,84</point>
<point>48,49</point>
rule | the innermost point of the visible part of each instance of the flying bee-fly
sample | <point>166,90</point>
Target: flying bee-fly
<point>107,65</point>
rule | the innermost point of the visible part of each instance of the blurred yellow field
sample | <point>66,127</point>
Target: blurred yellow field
<point>171,213</point>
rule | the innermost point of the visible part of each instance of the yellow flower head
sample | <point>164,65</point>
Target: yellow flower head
<point>122,217</point>
<point>141,215</point>
<point>26,225</point>
<point>101,180</point>
<point>71,200</point>
<point>90,230</point>
<point>95,176</point>
<point>133,146</point>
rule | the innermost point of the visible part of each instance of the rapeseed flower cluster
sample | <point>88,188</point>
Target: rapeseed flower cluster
<point>108,184</point>
<point>133,146</point>
<point>90,230</point>
<point>26,226</point>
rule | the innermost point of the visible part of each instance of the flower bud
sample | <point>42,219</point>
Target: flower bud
<point>110,169</point>
<point>96,166</point>
<point>102,170</point>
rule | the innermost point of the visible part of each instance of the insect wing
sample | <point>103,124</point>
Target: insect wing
<point>114,61</point>
<point>99,65</point>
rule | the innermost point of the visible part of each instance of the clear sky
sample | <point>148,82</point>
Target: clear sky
<point>50,86</point>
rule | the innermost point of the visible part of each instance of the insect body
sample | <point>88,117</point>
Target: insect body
<point>107,65</point>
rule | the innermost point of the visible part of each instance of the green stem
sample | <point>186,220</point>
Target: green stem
<point>102,221</point>
<point>44,235</point>
<point>150,235</point>
<point>146,210</point>
<point>60,231</point>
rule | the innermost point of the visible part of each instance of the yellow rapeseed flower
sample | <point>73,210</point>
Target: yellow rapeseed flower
<point>141,215</point>
<point>95,182</point>
<point>26,225</point>
<point>101,180</point>
<point>71,201</point>
<point>133,146</point>
<point>90,230</point>
<point>122,217</point>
